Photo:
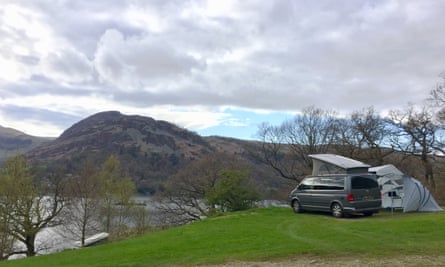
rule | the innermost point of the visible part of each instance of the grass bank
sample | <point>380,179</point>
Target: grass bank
<point>265,234</point>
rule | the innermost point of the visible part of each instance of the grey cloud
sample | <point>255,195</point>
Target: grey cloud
<point>42,85</point>
<point>82,23</point>
<point>28,60</point>
<point>137,62</point>
<point>291,54</point>
<point>70,66</point>
<point>59,119</point>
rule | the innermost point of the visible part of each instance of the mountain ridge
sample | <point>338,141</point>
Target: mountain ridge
<point>13,142</point>
<point>149,150</point>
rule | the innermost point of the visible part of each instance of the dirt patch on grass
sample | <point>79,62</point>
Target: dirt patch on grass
<point>412,260</point>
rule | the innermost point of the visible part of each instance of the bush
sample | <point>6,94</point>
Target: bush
<point>233,192</point>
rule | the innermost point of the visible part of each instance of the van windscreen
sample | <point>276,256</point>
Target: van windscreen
<point>359,182</point>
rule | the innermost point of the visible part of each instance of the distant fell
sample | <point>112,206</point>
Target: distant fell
<point>13,142</point>
<point>113,132</point>
<point>149,150</point>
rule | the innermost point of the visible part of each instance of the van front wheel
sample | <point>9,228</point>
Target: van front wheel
<point>296,206</point>
<point>337,210</point>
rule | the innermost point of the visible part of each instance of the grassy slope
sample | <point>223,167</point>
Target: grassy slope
<point>265,234</point>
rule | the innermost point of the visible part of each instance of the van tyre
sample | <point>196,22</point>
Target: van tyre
<point>296,206</point>
<point>337,210</point>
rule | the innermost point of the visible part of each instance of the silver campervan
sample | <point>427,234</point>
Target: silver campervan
<point>338,194</point>
<point>338,185</point>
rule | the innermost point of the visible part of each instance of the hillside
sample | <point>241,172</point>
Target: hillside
<point>13,142</point>
<point>149,150</point>
<point>273,237</point>
<point>113,132</point>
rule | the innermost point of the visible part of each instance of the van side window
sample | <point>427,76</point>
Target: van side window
<point>358,182</point>
<point>330,183</point>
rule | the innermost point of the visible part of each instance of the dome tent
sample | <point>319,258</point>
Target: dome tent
<point>401,191</point>
<point>417,196</point>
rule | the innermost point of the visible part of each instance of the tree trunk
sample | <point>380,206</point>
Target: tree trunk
<point>30,248</point>
<point>429,175</point>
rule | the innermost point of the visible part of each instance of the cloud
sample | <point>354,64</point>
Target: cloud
<point>68,66</point>
<point>36,120</point>
<point>187,61</point>
<point>31,48</point>
<point>139,63</point>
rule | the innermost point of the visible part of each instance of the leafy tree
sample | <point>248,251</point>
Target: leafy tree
<point>233,192</point>
<point>99,200</point>
<point>117,193</point>
<point>183,198</point>
<point>26,206</point>
<point>82,217</point>
<point>7,240</point>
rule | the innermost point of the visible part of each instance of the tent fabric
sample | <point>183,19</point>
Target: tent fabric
<point>388,170</point>
<point>404,192</point>
<point>392,193</point>
<point>417,197</point>
<point>390,180</point>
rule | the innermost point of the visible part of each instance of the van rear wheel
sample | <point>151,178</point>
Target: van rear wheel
<point>296,206</point>
<point>337,210</point>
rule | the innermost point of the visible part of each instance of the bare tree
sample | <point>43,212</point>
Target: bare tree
<point>437,103</point>
<point>366,135</point>
<point>27,206</point>
<point>286,147</point>
<point>437,99</point>
<point>141,218</point>
<point>416,136</point>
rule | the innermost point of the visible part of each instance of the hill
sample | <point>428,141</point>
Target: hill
<point>149,150</point>
<point>13,142</point>
<point>273,237</point>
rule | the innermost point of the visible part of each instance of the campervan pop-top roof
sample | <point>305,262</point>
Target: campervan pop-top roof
<point>335,164</point>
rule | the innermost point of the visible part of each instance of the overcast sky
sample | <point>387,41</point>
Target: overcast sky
<point>214,67</point>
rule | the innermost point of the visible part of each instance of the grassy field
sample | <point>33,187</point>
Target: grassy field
<point>265,234</point>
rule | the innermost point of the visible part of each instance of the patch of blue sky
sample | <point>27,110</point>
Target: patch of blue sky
<point>244,124</point>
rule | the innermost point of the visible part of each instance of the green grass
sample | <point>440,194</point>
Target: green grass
<point>265,234</point>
